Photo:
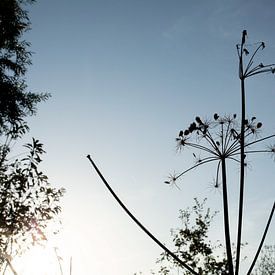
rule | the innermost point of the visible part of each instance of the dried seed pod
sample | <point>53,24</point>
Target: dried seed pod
<point>216,116</point>
<point>246,51</point>
<point>192,127</point>
<point>243,37</point>
<point>259,125</point>
<point>198,120</point>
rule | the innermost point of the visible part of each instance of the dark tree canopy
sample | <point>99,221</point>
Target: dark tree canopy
<point>16,102</point>
<point>28,202</point>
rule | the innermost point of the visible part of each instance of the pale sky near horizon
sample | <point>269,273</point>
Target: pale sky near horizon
<point>125,77</point>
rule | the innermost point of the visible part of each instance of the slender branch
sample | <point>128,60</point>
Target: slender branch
<point>235,146</point>
<point>234,159</point>
<point>169,252</point>
<point>201,147</point>
<point>222,139</point>
<point>258,67</point>
<point>227,137</point>
<point>206,160</point>
<point>252,152</point>
<point>262,240</point>
<point>217,173</point>
<point>211,141</point>
<point>259,72</point>
<point>251,59</point>
<point>259,140</point>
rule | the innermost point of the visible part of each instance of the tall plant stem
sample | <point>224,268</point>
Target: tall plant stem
<point>226,220</point>
<point>170,253</point>
<point>242,155</point>
<point>262,240</point>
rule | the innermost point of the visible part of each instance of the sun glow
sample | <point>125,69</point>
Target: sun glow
<point>39,260</point>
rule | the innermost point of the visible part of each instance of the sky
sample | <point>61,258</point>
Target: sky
<point>125,76</point>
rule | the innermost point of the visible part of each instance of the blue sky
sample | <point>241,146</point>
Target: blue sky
<point>125,77</point>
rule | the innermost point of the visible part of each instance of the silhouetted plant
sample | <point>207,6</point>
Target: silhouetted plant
<point>222,139</point>
<point>225,138</point>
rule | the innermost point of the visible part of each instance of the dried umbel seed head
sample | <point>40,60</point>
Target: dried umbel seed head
<point>246,51</point>
<point>216,116</point>
<point>259,125</point>
<point>186,132</point>
<point>198,120</point>
<point>192,127</point>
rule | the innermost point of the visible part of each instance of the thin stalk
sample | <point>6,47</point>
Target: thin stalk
<point>59,262</point>
<point>262,240</point>
<point>260,72</point>
<point>227,137</point>
<point>242,165</point>
<point>201,147</point>
<point>226,220</point>
<point>206,160</point>
<point>251,59</point>
<point>71,265</point>
<point>169,252</point>
<point>211,141</point>
<point>259,140</point>
<point>11,266</point>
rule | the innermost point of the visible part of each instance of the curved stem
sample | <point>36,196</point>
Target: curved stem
<point>206,160</point>
<point>251,59</point>
<point>169,252</point>
<point>259,140</point>
<point>201,147</point>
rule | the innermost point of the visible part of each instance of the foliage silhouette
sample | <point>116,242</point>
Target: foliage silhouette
<point>15,101</point>
<point>223,139</point>
<point>266,264</point>
<point>192,244</point>
<point>28,203</point>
